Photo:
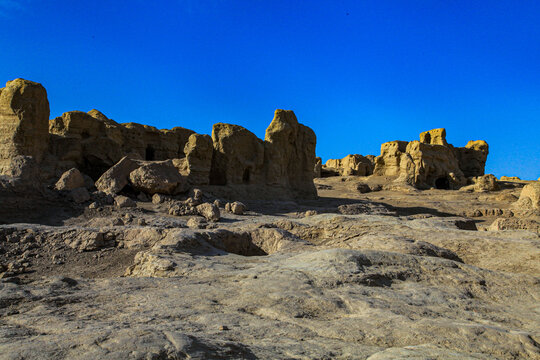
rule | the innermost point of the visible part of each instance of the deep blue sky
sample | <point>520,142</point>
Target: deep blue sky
<point>358,72</point>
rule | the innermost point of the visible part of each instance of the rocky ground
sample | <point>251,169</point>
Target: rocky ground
<point>369,270</point>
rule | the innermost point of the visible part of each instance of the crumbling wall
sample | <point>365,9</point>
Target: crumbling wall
<point>432,162</point>
<point>93,143</point>
<point>24,116</point>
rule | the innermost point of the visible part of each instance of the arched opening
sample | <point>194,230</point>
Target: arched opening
<point>246,176</point>
<point>85,135</point>
<point>442,183</point>
<point>150,153</point>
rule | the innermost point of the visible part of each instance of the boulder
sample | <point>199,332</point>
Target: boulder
<point>181,209</point>
<point>196,222</point>
<point>289,154</point>
<point>70,180</point>
<point>529,199</point>
<point>198,150</point>
<point>117,177</point>
<point>124,202</point>
<point>485,183</point>
<point>24,119</point>
<point>238,156</point>
<point>236,208</point>
<point>160,199</point>
<point>209,211</point>
<point>158,177</point>
<point>515,224</point>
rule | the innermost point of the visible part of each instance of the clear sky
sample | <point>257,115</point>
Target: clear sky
<point>358,72</point>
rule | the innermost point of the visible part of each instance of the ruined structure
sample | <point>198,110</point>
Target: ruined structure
<point>24,115</point>
<point>93,144</point>
<point>432,162</point>
<point>350,165</point>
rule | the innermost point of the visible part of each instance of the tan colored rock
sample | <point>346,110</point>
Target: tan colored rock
<point>122,201</point>
<point>196,222</point>
<point>117,177</point>
<point>209,211</point>
<point>485,183</point>
<point>389,162</point>
<point>24,118</point>
<point>290,154</point>
<point>95,142</point>
<point>70,180</point>
<point>472,158</point>
<point>529,199</point>
<point>236,208</point>
<point>510,178</point>
<point>238,156</point>
<point>198,150</point>
<point>158,177</point>
<point>351,165</point>
<point>434,165</point>
<point>159,199</point>
<point>515,224</point>
<point>98,115</point>
<point>434,137</point>
<point>431,162</point>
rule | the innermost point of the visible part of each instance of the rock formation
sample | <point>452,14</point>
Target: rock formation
<point>431,162</point>
<point>94,143</point>
<point>290,154</point>
<point>472,158</point>
<point>529,199</point>
<point>24,116</point>
<point>434,137</point>
<point>108,151</point>
<point>350,165</point>
<point>199,150</point>
<point>238,156</point>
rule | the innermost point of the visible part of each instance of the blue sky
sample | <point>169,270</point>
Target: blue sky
<point>358,72</point>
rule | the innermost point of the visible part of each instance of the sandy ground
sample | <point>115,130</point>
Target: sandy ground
<point>395,273</point>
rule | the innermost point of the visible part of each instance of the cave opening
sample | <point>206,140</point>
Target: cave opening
<point>246,176</point>
<point>150,153</point>
<point>442,183</point>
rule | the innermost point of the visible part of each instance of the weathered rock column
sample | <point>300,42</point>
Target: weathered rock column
<point>290,154</point>
<point>24,122</point>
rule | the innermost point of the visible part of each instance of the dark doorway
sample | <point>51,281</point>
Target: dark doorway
<point>442,183</point>
<point>150,153</point>
<point>245,176</point>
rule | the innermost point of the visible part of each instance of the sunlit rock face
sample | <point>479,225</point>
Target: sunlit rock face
<point>24,118</point>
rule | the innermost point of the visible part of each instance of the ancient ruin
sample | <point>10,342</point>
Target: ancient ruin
<point>93,143</point>
<point>123,241</point>
<point>430,162</point>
